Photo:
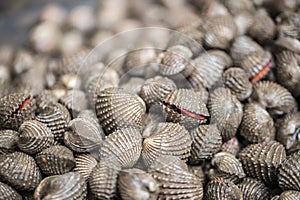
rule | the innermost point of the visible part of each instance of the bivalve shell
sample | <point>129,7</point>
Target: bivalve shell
<point>254,189</point>
<point>8,193</point>
<point>231,146</point>
<point>74,101</point>
<point>84,164</point>
<point>8,141</point>
<point>288,195</point>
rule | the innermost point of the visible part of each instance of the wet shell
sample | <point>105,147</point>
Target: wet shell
<point>262,160</point>
<point>219,189</point>
<point>174,181</point>
<point>56,117</point>
<point>253,189</point>
<point>167,139</point>
<point>289,195</point>
<point>155,89</point>
<point>20,171</point>
<point>55,160</point>
<point>226,111</point>
<point>8,193</point>
<point>186,107</point>
<point>103,180</point>
<point>257,125</point>
<point>69,186</point>
<point>207,141</point>
<point>237,81</point>
<point>84,164</point>
<point>16,108</point>
<point>8,141</point>
<point>289,176</point>
<point>116,108</point>
<point>83,136</point>
<point>135,184</point>
<point>74,101</point>
<point>273,97</point>
<point>124,145</point>
<point>231,146</point>
<point>227,167</point>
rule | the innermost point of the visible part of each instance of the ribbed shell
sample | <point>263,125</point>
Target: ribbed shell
<point>237,81</point>
<point>83,136</point>
<point>69,186</point>
<point>20,171</point>
<point>8,193</point>
<point>289,195</point>
<point>56,117</point>
<point>262,160</point>
<point>124,145</point>
<point>289,25</point>
<point>74,101</point>
<point>236,6</point>
<point>116,108</point>
<point>273,97</point>
<point>227,167</point>
<point>231,146</point>
<point>188,100</point>
<point>289,176</point>
<point>135,184</point>
<point>84,164</point>
<point>253,189</point>
<point>226,111</point>
<point>34,137</point>
<point>103,180</point>
<point>167,139</point>
<point>174,181</point>
<point>219,189</point>
<point>257,125</point>
<point>155,89</point>
<point>16,108</point>
<point>55,160</point>
<point>8,141</point>
<point>286,43</point>
<point>207,141</point>
<point>197,171</point>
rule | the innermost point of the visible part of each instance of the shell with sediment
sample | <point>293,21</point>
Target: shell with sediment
<point>254,189</point>
<point>8,193</point>
<point>8,141</point>
<point>84,164</point>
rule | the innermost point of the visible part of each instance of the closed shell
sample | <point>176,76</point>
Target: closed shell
<point>288,25</point>
<point>198,171</point>
<point>231,146</point>
<point>289,195</point>
<point>254,189</point>
<point>84,164</point>
<point>8,141</point>
<point>69,186</point>
<point>74,100</point>
<point>8,193</point>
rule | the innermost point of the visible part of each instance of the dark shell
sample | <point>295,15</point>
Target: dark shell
<point>262,160</point>
<point>84,164</point>
<point>207,141</point>
<point>74,101</point>
<point>44,99</point>
<point>197,171</point>
<point>174,181</point>
<point>8,141</point>
<point>20,171</point>
<point>133,85</point>
<point>231,146</point>
<point>226,111</point>
<point>257,125</point>
<point>8,193</point>
<point>253,189</point>
<point>55,160</point>
<point>116,108</point>
<point>91,116</point>
<point>135,184</point>
<point>69,186</point>
<point>167,139</point>
<point>16,108</point>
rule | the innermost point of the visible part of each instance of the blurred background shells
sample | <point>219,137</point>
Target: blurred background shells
<point>8,141</point>
<point>7,192</point>
<point>84,164</point>
<point>253,189</point>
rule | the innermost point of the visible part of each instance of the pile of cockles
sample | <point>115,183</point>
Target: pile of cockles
<point>202,105</point>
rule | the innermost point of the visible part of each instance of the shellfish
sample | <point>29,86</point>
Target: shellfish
<point>253,189</point>
<point>84,164</point>
<point>8,193</point>
<point>8,141</point>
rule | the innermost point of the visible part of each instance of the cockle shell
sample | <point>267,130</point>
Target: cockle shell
<point>254,189</point>
<point>286,44</point>
<point>289,195</point>
<point>74,101</point>
<point>84,164</point>
<point>231,146</point>
<point>198,171</point>
<point>288,25</point>
<point>8,193</point>
<point>262,160</point>
<point>167,139</point>
<point>136,184</point>
<point>133,85</point>
<point>243,21</point>
<point>20,171</point>
<point>236,6</point>
<point>8,141</point>
<point>69,186</point>
<point>116,108</point>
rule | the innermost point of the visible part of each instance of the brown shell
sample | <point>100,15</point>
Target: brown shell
<point>286,43</point>
<point>289,176</point>
<point>227,167</point>
<point>226,111</point>
<point>84,164</point>
<point>253,189</point>
<point>231,146</point>
<point>124,145</point>
<point>83,136</point>
<point>20,171</point>
<point>289,195</point>
<point>288,25</point>
<point>236,6</point>
<point>135,184</point>
<point>8,141</point>
<point>197,171</point>
<point>103,180</point>
<point>174,181</point>
<point>116,108</point>
<point>272,96</point>
<point>167,139</point>
<point>184,106</point>
<point>16,108</point>
<point>69,186</point>
<point>55,160</point>
<point>56,117</point>
<point>237,81</point>
<point>207,141</point>
<point>243,21</point>
<point>8,193</point>
<point>262,160</point>
<point>74,101</point>
<point>222,55</point>
<point>257,125</point>
<point>219,189</point>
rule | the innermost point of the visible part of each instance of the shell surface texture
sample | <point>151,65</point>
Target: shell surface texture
<point>84,164</point>
<point>8,193</point>
<point>253,189</point>
<point>8,141</point>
